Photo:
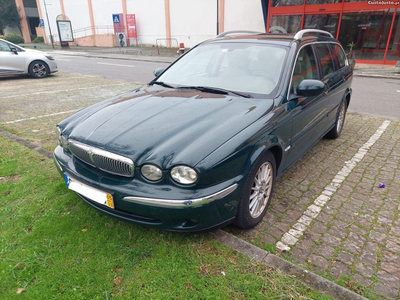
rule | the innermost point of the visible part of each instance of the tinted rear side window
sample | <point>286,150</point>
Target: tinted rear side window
<point>305,68</point>
<point>325,57</point>
<point>340,56</point>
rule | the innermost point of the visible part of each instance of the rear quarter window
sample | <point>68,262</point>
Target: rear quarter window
<point>326,59</point>
<point>341,56</point>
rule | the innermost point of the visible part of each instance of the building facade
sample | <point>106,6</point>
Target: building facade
<point>370,28</point>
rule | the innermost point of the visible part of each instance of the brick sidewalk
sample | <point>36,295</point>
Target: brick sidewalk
<point>356,236</point>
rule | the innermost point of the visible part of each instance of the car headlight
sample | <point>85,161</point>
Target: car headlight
<point>62,141</point>
<point>49,57</point>
<point>151,172</point>
<point>184,174</point>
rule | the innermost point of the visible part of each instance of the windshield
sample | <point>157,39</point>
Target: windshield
<point>240,67</point>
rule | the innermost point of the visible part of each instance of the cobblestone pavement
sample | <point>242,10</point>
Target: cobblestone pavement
<point>355,239</point>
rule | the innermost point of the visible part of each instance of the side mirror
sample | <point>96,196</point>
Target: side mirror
<point>310,87</point>
<point>158,71</point>
<point>14,50</point>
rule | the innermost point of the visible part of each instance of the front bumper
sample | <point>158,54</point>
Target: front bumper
<point>163,206</point>
<point>52,66</point>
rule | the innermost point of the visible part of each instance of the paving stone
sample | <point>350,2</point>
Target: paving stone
<point>364,270</point>
<point>310,235</point>
<point>390,257</point>
<point>318,227</point>
<point>391,268</point>
<point>289,239</point>
<point>346,257</point>
<point>295,233</point>
<point>377,236</point>
<point>305,220</point>
<point>339,269</point>
<point>388,279</point>
<point>331,240</point>
<point>294,214</point>
<point>363,222</point>
<point>391,293</point>
<point>266,238</point>
<point>361,280</point>
<point>300,226</point>
<point>351,247</point>
<point>392,246</point>
<point>324,250</point>
<point>356,239</point>
<point>275,232</point>
<point>368,257</point>
<point>383,220</point>
<point>337,232</point>
<point>395,231</point>
<point>319,261</point>
<point>359,230</point>
<point>387,214</point>
<point>380,228</point>
<point>313,211</point>
<point>372,247</point>
<point>324,217</point>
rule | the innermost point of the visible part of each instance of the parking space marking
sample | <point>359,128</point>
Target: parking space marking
<point>39,117</point>
<point>129,66</point>
<point>60,91</point>
<point>290,238</point>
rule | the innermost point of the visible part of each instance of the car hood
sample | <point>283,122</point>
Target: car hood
<point>166,127</point>
<point>31,51</point>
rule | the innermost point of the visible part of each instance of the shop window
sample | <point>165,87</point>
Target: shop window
<point>325,58</point>
<point>285,24</point>
<point>305,67</point>
<point>367,33</point>
<point>278,3</point>
<point>311,2</point>
<point>327,22</point>
<point>393,53</point>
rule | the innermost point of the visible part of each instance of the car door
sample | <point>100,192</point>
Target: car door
<point>307,112</point>
<point>10,63</point>
<point>333,80</point>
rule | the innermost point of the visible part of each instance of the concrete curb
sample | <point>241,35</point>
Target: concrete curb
<point>25,143</point>
<point>275,262</point>
<point>377,76</point>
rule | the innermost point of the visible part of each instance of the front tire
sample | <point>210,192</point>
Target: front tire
<point>256,194</point>
<point>38,69</point>
<point>335,132</point>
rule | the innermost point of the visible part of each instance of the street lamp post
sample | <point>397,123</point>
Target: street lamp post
<point>51,36</point>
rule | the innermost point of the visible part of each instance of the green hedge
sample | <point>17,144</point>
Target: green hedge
<point>1,36</point>
<point>14,38</point>
<point>38,39</point>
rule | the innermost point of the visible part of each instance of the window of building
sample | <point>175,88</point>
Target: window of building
<point>285,24</point>
<point>311,2</point>
<point>305,67</point>
<point>277,3</point>
<point>325,58</point>
<point>327,22</point>
<point>393,53</point>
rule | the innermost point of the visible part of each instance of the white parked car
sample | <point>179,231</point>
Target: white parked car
<point>15,60</point>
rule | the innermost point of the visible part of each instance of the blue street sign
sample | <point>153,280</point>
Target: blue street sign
<point>41,23</point>
<point>116,19</point>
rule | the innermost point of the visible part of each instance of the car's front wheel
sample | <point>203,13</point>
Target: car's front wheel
<point>256,194</point>
<point>38,69</point>
<point>341,116</point>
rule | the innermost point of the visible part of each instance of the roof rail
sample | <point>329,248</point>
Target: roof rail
<point>300,34</point>
<point>238,32</point>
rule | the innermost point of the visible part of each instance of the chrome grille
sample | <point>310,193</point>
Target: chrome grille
<point>103,160</point>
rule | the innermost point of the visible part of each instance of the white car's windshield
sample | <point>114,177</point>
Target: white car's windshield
<point>241,67</point>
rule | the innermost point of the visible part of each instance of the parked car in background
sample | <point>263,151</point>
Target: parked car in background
<point>15,60</point>
<point>203,143</point>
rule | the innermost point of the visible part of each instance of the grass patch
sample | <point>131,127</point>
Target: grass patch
<point>53,246</point>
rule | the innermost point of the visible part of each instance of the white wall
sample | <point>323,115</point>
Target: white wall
<point>78,12</point>
<point>103,11</point>
<point>244,15</point>
<point>150,19</point>
<point>53,10</point>
<point>193,21</point>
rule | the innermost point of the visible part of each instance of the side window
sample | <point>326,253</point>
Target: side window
<point>341,57</point>
<point>305,67</point>
<point>325,57</point>
<point>4,46</point>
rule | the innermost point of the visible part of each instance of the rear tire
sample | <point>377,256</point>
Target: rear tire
<point>256,194</point>
<point>335,132</point>
<point>38,69</point>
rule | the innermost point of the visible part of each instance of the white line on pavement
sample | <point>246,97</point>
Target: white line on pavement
<point>291,237</point>
<point>60,91</point>
<point>129,66</point>
<point>39,117</point>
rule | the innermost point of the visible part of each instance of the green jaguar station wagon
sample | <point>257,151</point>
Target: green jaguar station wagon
<point>203,143</point>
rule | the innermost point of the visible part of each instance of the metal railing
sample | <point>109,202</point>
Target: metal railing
<point>165,48</point>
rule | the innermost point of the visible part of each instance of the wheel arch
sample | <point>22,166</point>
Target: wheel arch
<point>37,60</point>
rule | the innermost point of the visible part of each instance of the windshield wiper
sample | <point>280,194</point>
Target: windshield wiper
<point>162,84</point>
<point>208,89</point>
